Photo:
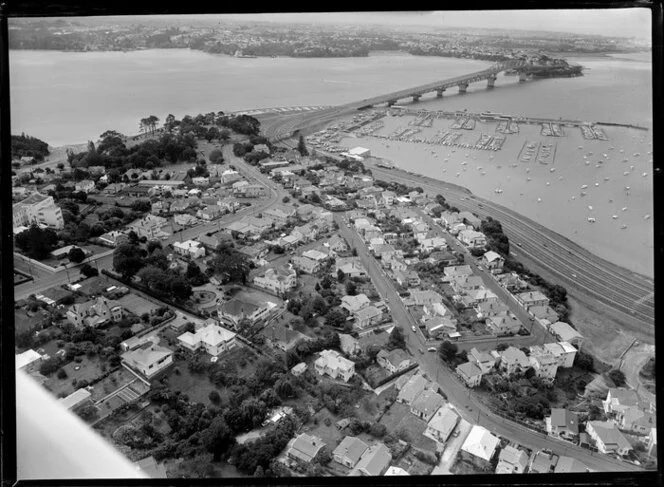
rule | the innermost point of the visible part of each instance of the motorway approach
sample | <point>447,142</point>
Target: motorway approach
<point>597,284</point>
<point>463,398</point>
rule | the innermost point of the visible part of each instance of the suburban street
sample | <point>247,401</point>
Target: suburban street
<point>463,398</point>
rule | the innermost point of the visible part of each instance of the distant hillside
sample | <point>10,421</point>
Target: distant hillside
<point>26,146</point>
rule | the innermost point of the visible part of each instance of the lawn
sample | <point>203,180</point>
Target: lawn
<point>413,465</point>
<point>89,369</point>
<point>111,383</point>
<point>196,386</point>
<point>330,435</point>
<point>400,420</point>
<point>136,304</point>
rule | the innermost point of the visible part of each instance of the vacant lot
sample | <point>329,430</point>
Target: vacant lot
<point>330,435</point>
<point>136,304</point>
<point>89,369</point>
<point>196,386</point>
<point>399,420</point>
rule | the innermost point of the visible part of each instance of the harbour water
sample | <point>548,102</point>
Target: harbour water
<point>67,98</point>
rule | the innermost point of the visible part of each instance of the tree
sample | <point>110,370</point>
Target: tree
<point>217,439</point>
<point>447,351</point>
<point>584,361</point>
<point>618,377</point>
<point>62,374</point>
<point>214,397</point>
<point>88,271</point>
<point>335,317</point>
<point>341,276</point>
<point>35,242</point>
<point>180,288</point>
<point>397,339</point>
<point>76,255</point>
<point>285,199</point>
<point>302,147</point>
<point>127,260</point>
<point>216,157</point>
<point>224,135</point>
<point>351,288</point>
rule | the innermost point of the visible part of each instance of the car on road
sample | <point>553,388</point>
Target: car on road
<point>456,433</point>
<point>519,244</point>
<point>431,349</point>
<point>413,328</point>
<point>421,351</point>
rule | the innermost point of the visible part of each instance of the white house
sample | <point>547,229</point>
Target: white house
<point>189,248</point>
<point>40,209</point>
<point>212,338</point>
<point>149,359</point>
<point>607,437</point>
<point>493,261</point>
<point>355,303</point>
<point>349,451</point>
<point>332,363</point>
<point>480,443</point>
<point>512,460</point>
<point>470,373</point>
<point>442,424</point>
<point>472,239</point>
<point>563,351</point>
<point>279,280</point>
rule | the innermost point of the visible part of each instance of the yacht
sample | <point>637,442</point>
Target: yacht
<point>539,200</point>
<point>614,217</point>
<point>626,188</point>
<point>591,219</point>
<point>548,183</point>
<point>590,208</point>
<point>644,174</point>
<point>528,179</point>
<point>624,209</point>
<point>584,186</point>
<point>623,226</point>
<point>626,173</point>
<point>553,169</point>
<point>646,217</point>
<point>596,184</point>
<point>497,190</point>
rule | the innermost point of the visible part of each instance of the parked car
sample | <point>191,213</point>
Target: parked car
<point>431,349</point>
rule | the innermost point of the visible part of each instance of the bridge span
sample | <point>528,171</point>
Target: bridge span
<point>289,126</point>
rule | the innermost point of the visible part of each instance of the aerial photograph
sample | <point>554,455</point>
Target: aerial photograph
<point>333,244</point>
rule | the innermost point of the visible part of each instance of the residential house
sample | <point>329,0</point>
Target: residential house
<point>352,269</point>
<point>451,272</point>
<point>210,212</point>
<point>485,361</point>
<point>234,311</point>
<point>395,471</point>
<point>278,336</point>
<point>299,369</point>
<point>608,438</point>
<point>620,398</point>
<point>636,420</point>
<point>338,243</point>
<point>426,404</point>
<point>189,248</point>
<point>407,278</point>
<point>114,188</point>
<point>40,209</point>
<point>532,298</point>
<point>349,451</point>
<point>348,344</point>
<point>544,314</point>
<point>335,365</point>
<point>565,333</point>
<point>149,359</point>
<point>513,361</point>
<point>256,252</point>
<point>542,462</point>
<point>507,324</point>
<point>470,219</point>
<point>512,460</point>
<point>213,241</point>
<point>472,239</point>
<point>563,351</point>
<point>437,309</point>
<point>412,388</point>
<point>465,283</point>
<point>304,448</point>
<point>253,191</point>
<point>384,251</point>
<point>652,442</point>
<point>570,465</point>
<point>442,424</point>
<point>86,185</point>
<point>113,238</point>
<point>179,206</point>
<point>563,424</point>
<point>393,361</point>
<point>367,316</point>
<point>432,244</point>
<point>200,181</point>
<point>212,338</point>
<point>544,363</point>
<point>449,219</point>
<point>512,282</point>
<point>493,261</point>
<point>76,400</point>
<point>486,310</point>
<point>427,297</point>
<point>374,461</point>
<point>439,326</point>
<point>480,295</point>
<point>480,443</point>
<point>355,303</point>
<point>305,264</point>
<point>280,214</point>
<point>184,219</point>
<point>278,280</point>
<point>95,313</point>
<point>150,226</point>
<point>471,373</point>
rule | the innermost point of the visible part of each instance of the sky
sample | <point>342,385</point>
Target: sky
<point>632,22</point>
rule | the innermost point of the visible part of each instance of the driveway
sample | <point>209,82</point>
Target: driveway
<point>451,449</point>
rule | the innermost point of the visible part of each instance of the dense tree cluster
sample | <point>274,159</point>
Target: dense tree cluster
<point>27,146</point>
<point>229,264</point>
<point>35,242</point>
<point>496,239</point>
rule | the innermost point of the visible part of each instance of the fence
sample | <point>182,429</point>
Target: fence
<point>395,375</point>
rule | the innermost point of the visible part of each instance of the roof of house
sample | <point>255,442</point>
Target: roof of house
<point>355,302</point>
<point>480,442</point>
<point>609,433</point>
<point>412,388</point>
<point>278,332</point>
<point>531,296</point>
<point>444,421</point>
<point>351,448</point>
<point>147,354</point>
<point>623,396</point>
<point>481,356</point>
<point>469,369</point>
<point>570,465</point>
<point>564,331</point>
<point>514,456</point>
<point>393,471</point>
<point>490,256</point>
<point>561,417</point>
<point>375,459</point>
<point>334,360</point>
<point>367,313</point>
<point>237,307</point>
<point>26,358</point>
<point>427,402</point>
<point>514,355</point>
<point>541,463</point>
<point>395,357</point>
<point>75,398</point>
<point>150,467</point>
<point>305,447</point>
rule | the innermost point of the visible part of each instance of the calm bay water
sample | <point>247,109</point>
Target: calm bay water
<point>67,98</point>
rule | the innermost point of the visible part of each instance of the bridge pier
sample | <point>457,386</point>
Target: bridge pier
<point>439,92</point>
<point>522,76</point>
<point>416,98</point>
<point>491,81</point>
<point>463,88</point>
